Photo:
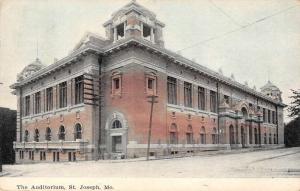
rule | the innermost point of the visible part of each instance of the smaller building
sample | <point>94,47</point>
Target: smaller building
<point>7,134</point>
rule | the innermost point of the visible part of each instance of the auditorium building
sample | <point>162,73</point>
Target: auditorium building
<point>94,103</point>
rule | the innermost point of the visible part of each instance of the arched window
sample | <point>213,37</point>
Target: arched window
<point>36,135</point>
<point>173,134</point>
<point>214,136</point>
<point>245,113</point>
<point>116,124</point>
<point>61,133</point>
<point>189,135</point>
<point>48,134</point>
<point>202,135</point>
<point>26,137</point>
<point>78,132</point>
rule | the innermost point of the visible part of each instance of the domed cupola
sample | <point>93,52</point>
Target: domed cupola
<point>30,69</point>
<point>272,91</point>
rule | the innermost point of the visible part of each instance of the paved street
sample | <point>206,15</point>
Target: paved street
<point>264,163</point>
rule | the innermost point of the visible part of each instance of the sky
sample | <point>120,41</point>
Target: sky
<point>256,40</point>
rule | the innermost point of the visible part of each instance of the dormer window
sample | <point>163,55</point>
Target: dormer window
<point>120,31</point>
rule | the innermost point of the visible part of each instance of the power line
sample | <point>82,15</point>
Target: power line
<point>238,29</point>
<point>224,13</point>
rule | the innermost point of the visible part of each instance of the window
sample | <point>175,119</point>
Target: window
<point>49,99</point>
<point>173,134</point>
<point>120,31</point>
<point>146,32</point>
<point>172,90</point>
<point>150,83</point>
<point>31,155</point>
<point>63,95</point>
<point>26,137</point>
<point>37,102</point>
<point>187,94</point>
<point>48,134</point>
<point>214,136</point>
<point>116,84</point>
<point>189,135</point>
<point>116,124</point>
<point>36,135</point>
<point>61,133</point>
<point>256,136</point>
<point>201,98</point>
<point>202,136</point>
<point>78,132</point>
<point>27,105</point>
<point>273,117</point>
<point>264,115</point>
<point>213,101</point>
<point>79,90</point>
<point>21,154</point>
<point>270,138</point>
<point>274,141</point>
<point>269,116</point>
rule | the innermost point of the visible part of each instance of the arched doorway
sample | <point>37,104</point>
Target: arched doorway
<point>231,135</point>
<point>255,136</point>
<point>243,136</point>
<point>116,139</point>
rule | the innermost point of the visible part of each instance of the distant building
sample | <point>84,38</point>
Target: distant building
<point>94,102</point>
<point>8,134</point>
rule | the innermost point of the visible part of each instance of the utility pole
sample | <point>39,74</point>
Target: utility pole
<point>152,101</point>
<point>1,132</point>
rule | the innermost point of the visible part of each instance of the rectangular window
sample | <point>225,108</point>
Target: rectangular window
<point>187,94</point>
<point>201,98</point>
<point>150,83</point>
<point>273,117</point>
<point>213,101</point>
<point>269,116</point>
<point>116,83</point>
<point>49,99</point>
<point>172,90</point>
<point>189,138</point>
<point>27,105</point>
<point>37,102</point>
<point>79,90</point>
<point>63,95</point>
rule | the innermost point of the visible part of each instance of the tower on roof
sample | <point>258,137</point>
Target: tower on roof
<point>272,91</point>
<point>134,20</point>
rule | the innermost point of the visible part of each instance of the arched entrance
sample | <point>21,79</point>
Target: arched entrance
<point>231,135</point>
<point>243,137</point>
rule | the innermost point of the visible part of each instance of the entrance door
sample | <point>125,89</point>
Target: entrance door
<point>117,144</point>
<point>243,137</point>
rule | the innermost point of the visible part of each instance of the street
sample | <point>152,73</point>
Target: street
<point>264,163</point>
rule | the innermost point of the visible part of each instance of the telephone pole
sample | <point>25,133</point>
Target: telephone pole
<point>152,101</point>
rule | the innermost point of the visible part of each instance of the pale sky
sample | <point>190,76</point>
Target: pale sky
<point>268,47</point>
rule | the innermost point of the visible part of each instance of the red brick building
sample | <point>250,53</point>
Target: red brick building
<point>93,104</point>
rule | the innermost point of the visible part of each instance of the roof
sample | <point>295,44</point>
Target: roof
<point>269,86</point>
<point>110,48</point>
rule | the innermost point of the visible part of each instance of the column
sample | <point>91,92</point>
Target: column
<point>115,34</point>
<point>151,35</point>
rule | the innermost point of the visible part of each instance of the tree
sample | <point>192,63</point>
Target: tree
<point>294,108</point>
